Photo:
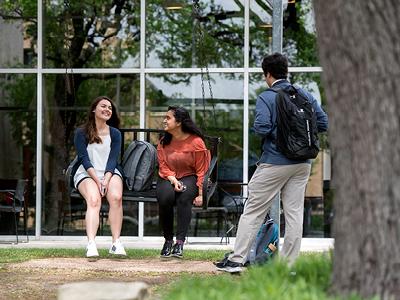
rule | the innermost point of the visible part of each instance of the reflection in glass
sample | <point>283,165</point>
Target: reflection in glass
<point>299,34</point>
<point>18,140</point>
<point>318,208</point>
<point>260,31</point>
<point>173,35</point>
<point>18,32</point>
<point>84,34</point>
<point>66,101</point>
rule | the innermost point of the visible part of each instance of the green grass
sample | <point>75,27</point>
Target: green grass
<point>9,255</point>
<point>308,279</point>
<point>272,281</point>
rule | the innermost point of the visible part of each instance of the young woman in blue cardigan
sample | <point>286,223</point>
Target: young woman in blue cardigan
<point>98,144</point>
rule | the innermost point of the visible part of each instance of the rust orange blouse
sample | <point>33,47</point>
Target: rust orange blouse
<point>183,158</point>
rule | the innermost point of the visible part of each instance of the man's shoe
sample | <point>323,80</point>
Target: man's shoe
<point>117,248</point>
<point>229,266</point>
<point>223,262</point>
<point>166,249</point>
<point>91,249</point>
<point>177,250</point>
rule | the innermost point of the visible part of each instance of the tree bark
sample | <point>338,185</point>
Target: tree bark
<point>359,48</point>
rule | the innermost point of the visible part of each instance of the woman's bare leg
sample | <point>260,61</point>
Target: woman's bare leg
<point>90,191</point>
<point>114,197</point>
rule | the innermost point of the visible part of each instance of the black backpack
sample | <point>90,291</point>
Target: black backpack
<point>297,132</point>
<point>139,163</point>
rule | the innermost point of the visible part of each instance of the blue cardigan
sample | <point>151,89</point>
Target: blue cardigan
<point>81,143</point>
<point>265,124</point>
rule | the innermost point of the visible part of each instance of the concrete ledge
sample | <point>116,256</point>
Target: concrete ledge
<point>195,243</point>
<point>104,290</point>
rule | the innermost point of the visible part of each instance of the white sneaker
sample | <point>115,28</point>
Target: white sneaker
<point>117,248</point>
<point>91,249</point>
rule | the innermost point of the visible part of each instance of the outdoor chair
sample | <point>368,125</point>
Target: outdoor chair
<point>12,200</point>
<point>233,200</point>
<point>219,213</point>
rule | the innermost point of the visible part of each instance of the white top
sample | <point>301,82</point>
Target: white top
<point>98,155</point>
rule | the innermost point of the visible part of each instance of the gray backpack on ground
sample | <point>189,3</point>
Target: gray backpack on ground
<point>139,163</point>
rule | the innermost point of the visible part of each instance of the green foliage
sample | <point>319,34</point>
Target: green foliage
<point>308,279</point>
<point>24,8</point>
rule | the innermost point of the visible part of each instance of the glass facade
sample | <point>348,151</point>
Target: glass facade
<point>145,55</point>
<point>87,34</point>
<point>18,134</point>
<point>18,32</point>
<point>174,39</point>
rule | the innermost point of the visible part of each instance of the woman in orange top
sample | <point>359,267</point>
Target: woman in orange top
<point>183,161</point>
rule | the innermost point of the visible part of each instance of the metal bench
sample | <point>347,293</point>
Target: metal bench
<point>129,134</point>
<point>210,182</point>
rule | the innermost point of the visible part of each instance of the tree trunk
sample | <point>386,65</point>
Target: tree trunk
<point>359,45</point>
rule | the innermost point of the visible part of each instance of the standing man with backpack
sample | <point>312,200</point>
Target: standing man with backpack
<point>288,119</point>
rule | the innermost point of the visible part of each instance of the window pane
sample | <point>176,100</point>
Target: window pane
<point>172,35</point>
<point>66,102</point>
<point>260,31</point>
<point>89,34</point>
<point>18,32</point>
<point>318,205</point>
<point>222,116</point>
<point>18,141</point>
<point>299,35</point>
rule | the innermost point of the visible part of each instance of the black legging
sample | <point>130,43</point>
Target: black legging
<point>168,198</point>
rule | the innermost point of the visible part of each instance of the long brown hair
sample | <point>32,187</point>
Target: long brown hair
<point>90,125</point>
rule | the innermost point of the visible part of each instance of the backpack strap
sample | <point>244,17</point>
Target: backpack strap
<point>130,164</point>
<point>128,152</point>
<point>276,90</point>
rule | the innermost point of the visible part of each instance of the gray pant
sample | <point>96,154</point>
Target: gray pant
<point>268,180</point>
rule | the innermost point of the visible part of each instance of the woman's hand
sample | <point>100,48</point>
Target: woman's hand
<point>198,201</point>
<point>104,184</point>
<point>92,174</point>
<point>178,185</point>
<point>103,187</point>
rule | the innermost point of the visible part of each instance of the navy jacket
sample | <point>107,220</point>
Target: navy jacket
<point>265,124</point>
<point>81,143</point>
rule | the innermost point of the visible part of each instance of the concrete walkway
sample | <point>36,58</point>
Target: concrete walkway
<point>195,243</point>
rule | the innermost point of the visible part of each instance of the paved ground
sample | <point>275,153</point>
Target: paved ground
<point>121,265</point>
<point>40,278</point>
